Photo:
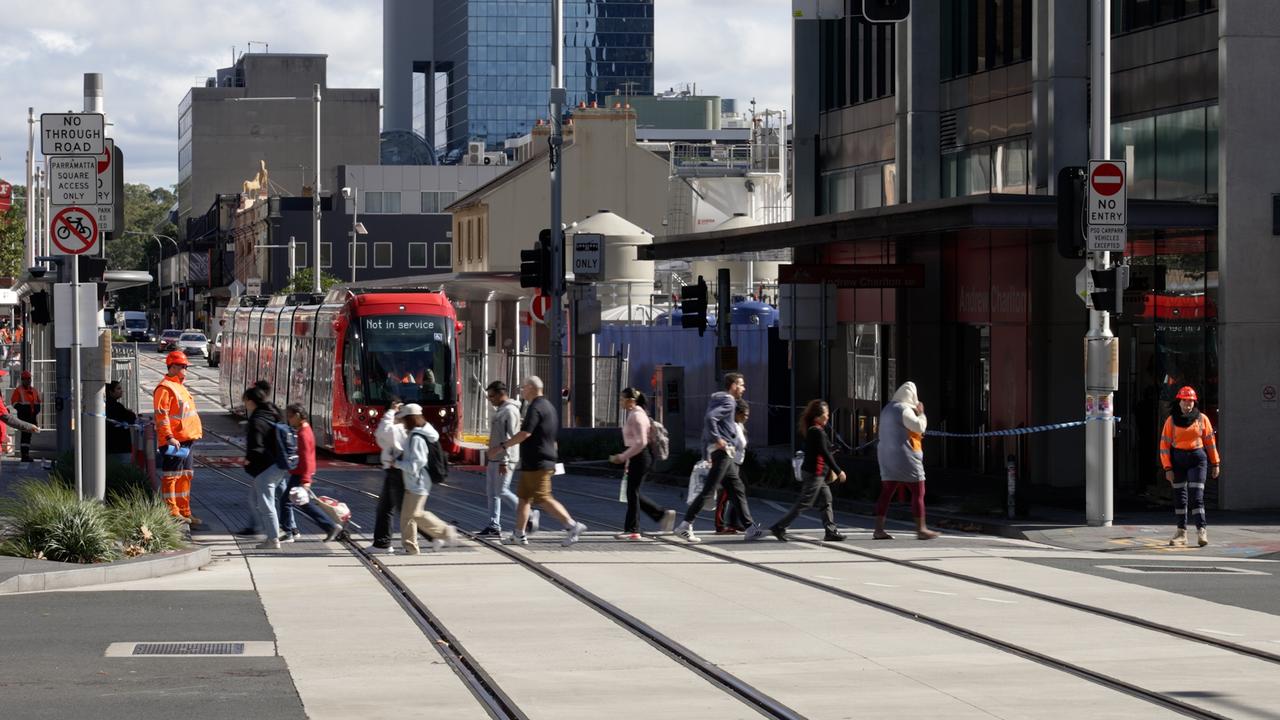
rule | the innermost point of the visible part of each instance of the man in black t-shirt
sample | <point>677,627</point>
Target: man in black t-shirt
<point>538,455</point>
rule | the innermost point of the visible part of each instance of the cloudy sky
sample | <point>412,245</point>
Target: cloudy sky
<point>151,51</point>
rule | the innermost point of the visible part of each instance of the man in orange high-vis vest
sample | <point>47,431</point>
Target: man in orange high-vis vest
<point>1188,451</point>
<point>177,426</point>
<point>26,400</point>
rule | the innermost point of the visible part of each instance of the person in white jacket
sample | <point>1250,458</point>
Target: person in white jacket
<point>417,483</point>
<point>901,455</point>
<point>390,437</point>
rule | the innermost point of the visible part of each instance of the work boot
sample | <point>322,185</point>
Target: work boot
<point>1202,536</point>
<point>1179,538</point>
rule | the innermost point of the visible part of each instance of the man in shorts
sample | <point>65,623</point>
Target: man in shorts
<point>538,455</point>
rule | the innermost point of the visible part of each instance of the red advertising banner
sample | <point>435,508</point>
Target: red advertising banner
<point>6,197</point>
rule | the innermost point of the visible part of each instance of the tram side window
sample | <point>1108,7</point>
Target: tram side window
<point>351,367</point>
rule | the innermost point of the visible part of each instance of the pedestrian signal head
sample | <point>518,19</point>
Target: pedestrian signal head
<point>1187,393</point>
<point>177,357</point>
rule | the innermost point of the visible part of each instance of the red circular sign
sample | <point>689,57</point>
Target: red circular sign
<point>74,230</point>
<point>1107,179</point>
<point>104,161</point>
<point>540,305</point>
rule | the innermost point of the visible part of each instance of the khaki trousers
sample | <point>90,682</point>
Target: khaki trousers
<point>412,513</point>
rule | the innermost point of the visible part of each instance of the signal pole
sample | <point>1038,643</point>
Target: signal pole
<point>1102,348</point>
<point>558,98</point>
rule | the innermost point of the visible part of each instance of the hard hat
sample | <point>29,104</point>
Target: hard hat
<point>177,357</point>
<point>26,374</point>
<point>1187,393</point>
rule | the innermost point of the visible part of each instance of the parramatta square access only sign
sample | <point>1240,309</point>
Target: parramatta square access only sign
<point>1108,206</point>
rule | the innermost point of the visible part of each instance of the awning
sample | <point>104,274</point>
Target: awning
<point>990,212</point>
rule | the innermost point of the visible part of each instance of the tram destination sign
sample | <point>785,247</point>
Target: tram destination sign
<point>72,133</point>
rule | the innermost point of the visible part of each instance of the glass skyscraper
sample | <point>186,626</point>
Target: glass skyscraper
<point>457,71</point>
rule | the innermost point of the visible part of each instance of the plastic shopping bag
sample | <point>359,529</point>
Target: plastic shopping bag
<point>697,479</point>
<point>299,495</point>
<point>796,462</point>
<point>622,489</point>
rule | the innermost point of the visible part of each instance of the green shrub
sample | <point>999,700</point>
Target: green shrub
<point>45,520</point>
<point>138,520</point>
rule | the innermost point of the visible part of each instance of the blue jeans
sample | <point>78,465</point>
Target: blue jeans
<point>262,498</point>
<point>287,521</point>
<point>497,488</point>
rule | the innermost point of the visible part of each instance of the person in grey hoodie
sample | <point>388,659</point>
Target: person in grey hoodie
<point>719,432</point>
<point>504,423</point>
<point>901,456</point>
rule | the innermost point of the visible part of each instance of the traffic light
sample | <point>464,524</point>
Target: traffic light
<point>1108,288</point>
<point>535,264</point>
<point>1071,211</point>
<point>886,11</point>
<point>693,306</point>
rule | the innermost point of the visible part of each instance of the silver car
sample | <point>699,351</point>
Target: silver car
<point>193,344</point>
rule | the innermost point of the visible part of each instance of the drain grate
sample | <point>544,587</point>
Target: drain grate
<point>1183,570</point>
<point>189,648</point>
<point>193,649</point>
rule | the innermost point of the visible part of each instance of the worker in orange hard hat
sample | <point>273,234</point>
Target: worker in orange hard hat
<point>26,400</point>
<point>1188,452</point>
<point>177,428</point>
<point>7,419</point>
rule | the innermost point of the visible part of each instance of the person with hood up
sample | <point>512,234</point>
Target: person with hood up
<point>901,455</point>
<point>1187,451</point>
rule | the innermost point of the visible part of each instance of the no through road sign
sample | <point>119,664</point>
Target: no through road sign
<point>74,230</point>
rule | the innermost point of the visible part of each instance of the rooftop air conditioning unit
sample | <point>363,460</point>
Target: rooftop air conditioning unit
<point>475,153</point>
<point>495,158</point>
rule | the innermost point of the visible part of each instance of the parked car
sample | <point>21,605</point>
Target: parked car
<point>194,344</point>
<point>168,340</point>
<point>215,351</point>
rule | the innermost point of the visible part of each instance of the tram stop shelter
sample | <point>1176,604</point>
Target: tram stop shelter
<point>991,329</point>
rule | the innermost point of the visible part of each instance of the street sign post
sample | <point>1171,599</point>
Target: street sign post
<point>72,133</point>
<point>1107,206</point>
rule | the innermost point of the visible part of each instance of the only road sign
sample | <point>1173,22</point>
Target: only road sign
<point>1108,201</point>
<point>74,230</point>
<point>72,133</point>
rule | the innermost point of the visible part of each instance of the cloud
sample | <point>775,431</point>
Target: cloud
<point>56,41</point>
<point>151,52</point>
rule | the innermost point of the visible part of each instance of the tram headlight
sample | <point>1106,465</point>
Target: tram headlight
<point>442,412</point>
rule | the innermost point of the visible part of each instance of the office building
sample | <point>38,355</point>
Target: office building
<point>456,71</point>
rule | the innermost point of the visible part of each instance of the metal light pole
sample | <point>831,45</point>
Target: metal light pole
<point>555,389</point>
<point>29,248</point>
<point>357,229</point>
<point>315,204</point>
<point>1102,347</point>
<point>159,267</point>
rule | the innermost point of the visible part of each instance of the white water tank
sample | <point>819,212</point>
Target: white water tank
<point>626,279</point>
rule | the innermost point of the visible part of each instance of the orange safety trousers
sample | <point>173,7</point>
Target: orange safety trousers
<point>175,482</point>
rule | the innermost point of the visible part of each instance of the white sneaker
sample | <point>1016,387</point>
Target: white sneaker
<point>573,534</point>
<point>667,523</point>
<point>515,539</point>
<point>451,537</point>
<point>287,537</point>
<point>388,550</point>
<point>437,544</point>
<point>755,532</point>
<point>685,532</point>
<point>271,544</point>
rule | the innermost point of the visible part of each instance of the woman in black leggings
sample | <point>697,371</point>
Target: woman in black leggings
<point>639,461</point>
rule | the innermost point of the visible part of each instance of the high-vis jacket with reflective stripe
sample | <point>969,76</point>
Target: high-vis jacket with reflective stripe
<point>1195,436</point>
<point>24,396</point>
<point>175,413</point>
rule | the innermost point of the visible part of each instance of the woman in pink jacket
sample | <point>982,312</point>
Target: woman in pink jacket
<point>639,461</point>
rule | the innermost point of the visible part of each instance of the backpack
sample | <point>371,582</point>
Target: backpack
<point>437,462</point>
<point>659,440</point>
<point>286,450</point>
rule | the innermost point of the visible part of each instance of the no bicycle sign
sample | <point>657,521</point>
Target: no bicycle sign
<point>74,230</point>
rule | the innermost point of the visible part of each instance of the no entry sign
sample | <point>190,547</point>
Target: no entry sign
<point>1108,195</point>
<point>74,230</point>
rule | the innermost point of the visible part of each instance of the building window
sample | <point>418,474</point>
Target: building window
<point>418,255</point>
<point>444,256</point>
<point>300,255</point>
<point>373,202</point>
<point>382,255</point>
<point>1000,167</point>
<point>863,366</point>
<point>326,255</point>
<point>1173,156</point>
<point>430,202</point>
<point>981,35</point>
<point>391,202</point>
<point>1129,15</point>
<point>362,255</point>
